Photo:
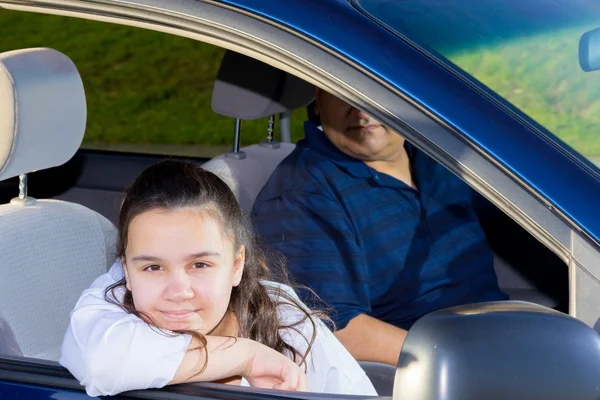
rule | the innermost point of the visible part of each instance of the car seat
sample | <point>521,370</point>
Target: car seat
<point>50,250</point>
<point>248,89</point>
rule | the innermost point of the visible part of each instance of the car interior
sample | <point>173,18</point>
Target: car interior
<point>56,224</point>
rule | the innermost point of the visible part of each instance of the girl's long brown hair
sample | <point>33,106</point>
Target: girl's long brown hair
<point>173,185</point>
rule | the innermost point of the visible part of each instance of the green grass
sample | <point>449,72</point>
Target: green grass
<point>141,86</point>
<point>150,87</point>
<point>542,77</point>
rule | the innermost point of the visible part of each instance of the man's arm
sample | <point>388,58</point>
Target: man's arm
<point>321,248</point>
<point>319,242</point>
<point>369,339</point>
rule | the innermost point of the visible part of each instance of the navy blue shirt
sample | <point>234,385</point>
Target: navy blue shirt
<point>366,242</point>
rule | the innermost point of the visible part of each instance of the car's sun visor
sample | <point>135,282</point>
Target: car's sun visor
<point>246,88</point>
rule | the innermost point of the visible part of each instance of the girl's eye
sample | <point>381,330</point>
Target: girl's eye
<point>153,268</point>
<point>199,265</point>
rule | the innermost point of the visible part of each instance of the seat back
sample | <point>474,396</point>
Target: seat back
<point>50,250</point>
<point>249,89</point>
<point>247,176</point>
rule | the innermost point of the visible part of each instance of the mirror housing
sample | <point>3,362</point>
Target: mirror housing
<point>589,51</point>
<point>499,350</point>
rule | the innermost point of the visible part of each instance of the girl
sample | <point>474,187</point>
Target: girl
<point>191,299</point>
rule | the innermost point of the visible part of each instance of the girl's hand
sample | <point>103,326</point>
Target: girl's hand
<point>229,357</point>
<point>268,369</point>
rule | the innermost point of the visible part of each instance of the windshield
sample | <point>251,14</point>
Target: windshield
<point>524,50</point>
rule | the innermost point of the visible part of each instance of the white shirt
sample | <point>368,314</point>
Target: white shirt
<point>111,351</point>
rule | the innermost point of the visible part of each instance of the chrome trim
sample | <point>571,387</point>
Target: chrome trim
<point>23,199</point>
<point>235,152</point>
<point>270,128</point>
<point>22,186</point>
<point>587,295</point>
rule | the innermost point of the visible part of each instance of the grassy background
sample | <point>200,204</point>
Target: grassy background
<point>541,76</point>
<point>141,86</point>
<point>150,87</point>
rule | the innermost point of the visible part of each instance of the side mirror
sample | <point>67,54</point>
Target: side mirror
<point>499,350</point>
<point>589,51</point>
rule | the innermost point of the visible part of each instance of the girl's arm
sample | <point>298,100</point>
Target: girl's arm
<point>262,366</point>
<point>110,351</point>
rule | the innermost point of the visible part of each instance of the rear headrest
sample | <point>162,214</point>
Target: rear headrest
<point>250,89</point>
<point>42,110</point>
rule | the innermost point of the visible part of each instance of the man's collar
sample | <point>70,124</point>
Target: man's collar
<point>315,139</point>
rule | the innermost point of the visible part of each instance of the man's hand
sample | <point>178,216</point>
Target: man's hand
<point>369,339</point>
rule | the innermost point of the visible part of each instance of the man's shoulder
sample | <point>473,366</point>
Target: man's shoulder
<point>303,171</point>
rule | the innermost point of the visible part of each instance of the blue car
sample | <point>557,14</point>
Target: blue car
<point>503,93</point>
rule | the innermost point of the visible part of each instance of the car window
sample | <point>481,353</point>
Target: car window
<point>525,51</point>
<point>146,91</point>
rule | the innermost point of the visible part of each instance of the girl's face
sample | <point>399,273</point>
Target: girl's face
<point>181,269</point>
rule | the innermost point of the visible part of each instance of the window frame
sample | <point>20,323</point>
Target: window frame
<point>490,94</point>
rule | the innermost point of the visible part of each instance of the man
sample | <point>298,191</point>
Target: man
<point>380,231</point>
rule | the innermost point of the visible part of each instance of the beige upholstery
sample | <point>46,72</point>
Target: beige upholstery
<point>52,250</point>
<point>246,88</point>
<point>247,176</point>
<point>41,98</point>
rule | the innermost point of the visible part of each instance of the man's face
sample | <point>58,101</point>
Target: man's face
<point>354,132</point>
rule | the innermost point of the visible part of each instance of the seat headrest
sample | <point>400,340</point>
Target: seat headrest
<point>246,88</point>
<point>42,110</point>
